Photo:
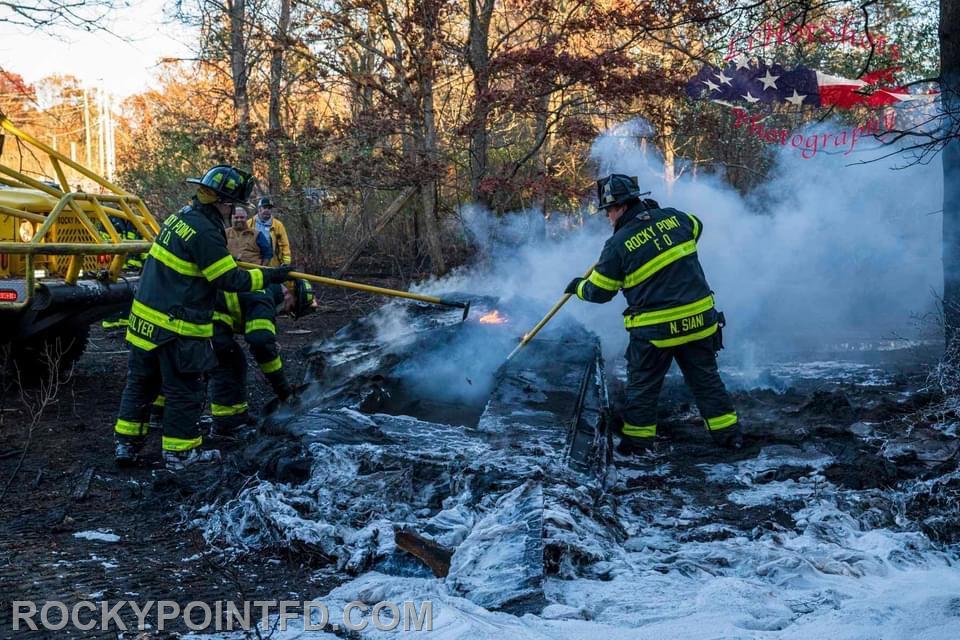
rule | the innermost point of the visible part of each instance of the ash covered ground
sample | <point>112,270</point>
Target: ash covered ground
<point>838,519</point>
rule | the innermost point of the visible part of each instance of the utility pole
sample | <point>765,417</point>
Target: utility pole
<point>101,142</point>
<point>86,126</point>
<point>111,146</point>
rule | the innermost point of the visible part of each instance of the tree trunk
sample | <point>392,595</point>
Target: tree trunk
<point>669,158</point>
<point>381,224</point>
<point>237,11</point>
<point>541,156</point>
<point>309,243</point>
<point>478,57</point>
<point>429,223</point>
<point>949,87</point>
<point>275,132</point>
<point>427,138</point>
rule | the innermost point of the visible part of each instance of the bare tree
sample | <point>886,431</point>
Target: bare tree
<point>42,14</point>
<point>240,73</point>
<point>275,132</point>
<point>233,43</point>
<point>478,58</point>
<point>949,88</point>
<point>405,47</point>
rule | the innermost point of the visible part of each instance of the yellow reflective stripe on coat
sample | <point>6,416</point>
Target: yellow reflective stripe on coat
<point>221,410</point>
<point>580,288</point>
<point>668,315</point>
<point>220,267</point>
<point>139,342</point>
<point>696,226</point>
<point>674,342</point>
<point>260,324</point>
<point>181,444</point>
<point>666,258</point>
<point>160,401</point>
<point>256,279</point>
<point>181,266</point>
<point>722,422</point>
<point>180,327</point>
<point>645,431</point>
<point>233,307</point>
<point>599,280</point>
<point>273,365</point>
<point>130,428</point>
<point>224,318</point>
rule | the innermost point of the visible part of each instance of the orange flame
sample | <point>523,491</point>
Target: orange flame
<point>493,317</point>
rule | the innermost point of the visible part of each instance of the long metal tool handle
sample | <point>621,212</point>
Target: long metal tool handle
<point>333,282</point>
<point>527,337</point>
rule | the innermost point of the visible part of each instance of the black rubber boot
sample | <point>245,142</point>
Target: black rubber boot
<point>179,460</point>
<point>278,382</point>
<point>729,438</point>
<point>633,446</point>
<point>127,451</point>
<point>230,427</point>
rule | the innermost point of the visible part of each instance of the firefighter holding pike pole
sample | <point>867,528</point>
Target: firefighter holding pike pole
<point>171,319</point>
<point>652,258</point>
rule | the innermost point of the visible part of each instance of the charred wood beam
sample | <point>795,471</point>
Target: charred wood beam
<point>435,556</point>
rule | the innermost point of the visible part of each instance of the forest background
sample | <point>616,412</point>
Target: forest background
<point>372,123</point>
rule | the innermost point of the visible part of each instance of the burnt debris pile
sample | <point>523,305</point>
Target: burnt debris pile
<point>421,462</point>
<point>413,429</point>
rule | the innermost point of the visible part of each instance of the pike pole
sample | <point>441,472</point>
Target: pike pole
<point>527,337</point>
<point>346,284</point>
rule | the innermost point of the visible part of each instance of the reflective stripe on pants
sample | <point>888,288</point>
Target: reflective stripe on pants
<point>647,365</point>
<point>228,382</point>
<point>150,373</point>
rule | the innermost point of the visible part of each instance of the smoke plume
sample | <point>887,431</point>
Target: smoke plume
<point>834,249</point>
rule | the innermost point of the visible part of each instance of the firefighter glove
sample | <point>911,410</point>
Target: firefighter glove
<point>572,287</point>
<point>278,275</point>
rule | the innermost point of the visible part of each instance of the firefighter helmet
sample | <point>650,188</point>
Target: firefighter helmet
<point>229,183</point>
<point>616,189</point>
<point>303,302</point>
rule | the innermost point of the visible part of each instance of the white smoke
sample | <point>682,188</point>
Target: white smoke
<point>836,248</point>
<point>831,249</point>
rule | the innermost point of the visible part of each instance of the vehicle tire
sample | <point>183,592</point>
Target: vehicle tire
<point>32,357</point>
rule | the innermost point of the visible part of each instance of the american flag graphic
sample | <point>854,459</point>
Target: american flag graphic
<point>751,82</point>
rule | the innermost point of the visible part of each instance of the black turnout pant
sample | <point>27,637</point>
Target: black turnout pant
<point>647,365</point>
<point>175,370</point>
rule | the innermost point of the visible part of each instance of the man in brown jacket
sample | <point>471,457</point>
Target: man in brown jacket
<point>242,240</point>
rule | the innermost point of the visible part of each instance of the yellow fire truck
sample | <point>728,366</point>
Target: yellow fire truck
<point>61,256</point>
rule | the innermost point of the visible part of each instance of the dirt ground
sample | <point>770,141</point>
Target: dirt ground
<point>68,484</point>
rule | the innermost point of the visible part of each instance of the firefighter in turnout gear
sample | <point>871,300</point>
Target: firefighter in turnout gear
<point>254,315</point>
<point>171,319</point>
<point>652,258</point>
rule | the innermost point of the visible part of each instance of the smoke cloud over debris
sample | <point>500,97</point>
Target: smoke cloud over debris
<point>844,249</point>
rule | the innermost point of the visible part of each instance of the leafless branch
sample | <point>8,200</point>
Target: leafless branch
<point>88,15</point>
<point>37,399</point>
